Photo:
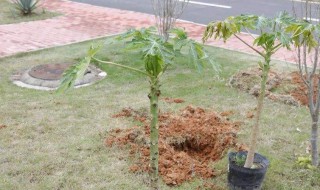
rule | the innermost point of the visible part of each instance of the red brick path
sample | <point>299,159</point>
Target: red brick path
<point>82,22</point>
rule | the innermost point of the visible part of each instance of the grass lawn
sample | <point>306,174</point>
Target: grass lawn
<point>56,141</point>
<point>9,15</point>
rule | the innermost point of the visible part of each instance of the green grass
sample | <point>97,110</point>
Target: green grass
<point>56,141</point>
<point>9,15</point>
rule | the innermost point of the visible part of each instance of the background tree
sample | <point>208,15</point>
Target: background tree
<point>166,13</point>
<point>307,37</point>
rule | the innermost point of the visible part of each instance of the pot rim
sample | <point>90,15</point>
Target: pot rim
<point>258,158</point>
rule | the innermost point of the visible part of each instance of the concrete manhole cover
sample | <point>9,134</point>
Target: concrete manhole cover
<point>47,77</point>
<point>49,71</point>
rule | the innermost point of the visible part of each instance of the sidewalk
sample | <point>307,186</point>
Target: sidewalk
<point>81,22</point>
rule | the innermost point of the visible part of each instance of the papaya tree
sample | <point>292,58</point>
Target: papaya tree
<point>157,54</point>
<point>270,35</point>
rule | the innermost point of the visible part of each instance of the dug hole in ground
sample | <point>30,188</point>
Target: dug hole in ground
<point>188,142</point>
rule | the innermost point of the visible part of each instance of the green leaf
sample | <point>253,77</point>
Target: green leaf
<point>194,58</point>
<point>154,65</point>
<point>178,44</point>
<point>179,33</point>
<point>304,33</point>
<point>76,71</point>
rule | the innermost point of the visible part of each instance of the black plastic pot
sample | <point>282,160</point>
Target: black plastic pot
<point>241,178</point>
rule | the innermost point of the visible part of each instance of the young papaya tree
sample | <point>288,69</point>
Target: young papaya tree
<point>271,36</point>
<point>157,54</point>
<point>306,40</point>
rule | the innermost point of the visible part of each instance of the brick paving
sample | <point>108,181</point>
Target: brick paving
<point>81,22</point>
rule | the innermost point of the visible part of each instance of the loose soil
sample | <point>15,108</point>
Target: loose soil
<point>188,142</point>
<point>288,88</point>
<point>300,93</point>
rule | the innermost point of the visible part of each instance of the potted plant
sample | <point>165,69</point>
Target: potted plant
<point>271,36</point>
<point>240,177</point>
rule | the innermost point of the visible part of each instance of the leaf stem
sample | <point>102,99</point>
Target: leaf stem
<point>122,66</point>
<point>250,46</point>
<point>276,48</point>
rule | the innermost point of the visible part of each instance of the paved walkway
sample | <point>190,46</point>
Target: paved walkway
<point>82,22</point>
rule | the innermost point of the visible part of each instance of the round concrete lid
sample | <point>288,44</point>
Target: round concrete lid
<point>48,76</point>
<point>49,71</point>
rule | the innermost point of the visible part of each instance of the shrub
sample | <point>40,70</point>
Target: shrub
<point>26,7</point>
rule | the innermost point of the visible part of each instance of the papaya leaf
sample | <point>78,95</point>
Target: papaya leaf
<point>179,33</point>
<point>179,44</point>
<point>193,56</point>
<point>77,71</point>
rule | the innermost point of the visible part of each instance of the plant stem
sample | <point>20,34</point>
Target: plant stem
<point>154,135</point>
<point>255,127</point>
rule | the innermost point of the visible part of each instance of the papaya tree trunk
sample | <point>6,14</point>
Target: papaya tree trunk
<point>255,127</point>
<point>314,106</point>
<point>154,135</point>
<point>314,142</point>
<point>314,111</point>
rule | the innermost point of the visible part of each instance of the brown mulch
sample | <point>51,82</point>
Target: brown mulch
<point>295,92</point>
<point>188,143</point>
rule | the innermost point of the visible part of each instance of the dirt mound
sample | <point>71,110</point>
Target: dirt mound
<point>188,143</point>
<point>286,88</point>
<point>249,81</point>
<point>300,93</point>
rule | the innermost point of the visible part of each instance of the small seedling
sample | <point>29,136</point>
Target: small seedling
<point>240,159</point>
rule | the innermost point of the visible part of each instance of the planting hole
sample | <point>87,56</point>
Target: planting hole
<point>188,142</point>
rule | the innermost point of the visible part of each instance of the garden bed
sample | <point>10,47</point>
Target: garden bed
<point>188,142</point>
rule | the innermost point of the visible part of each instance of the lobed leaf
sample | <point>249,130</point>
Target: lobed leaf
<point>77,71</point>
